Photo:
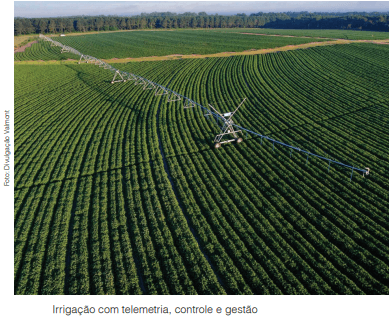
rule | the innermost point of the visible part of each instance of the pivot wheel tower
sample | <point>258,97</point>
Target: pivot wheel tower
<point>227,128</point>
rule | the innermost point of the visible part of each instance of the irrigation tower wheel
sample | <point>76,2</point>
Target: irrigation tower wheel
<point>239,140</point>
<point>218,145</point>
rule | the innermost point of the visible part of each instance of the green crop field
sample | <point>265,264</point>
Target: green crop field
<point>326,33</point>
<point>43,51</point>
<point>118,191</point>
<point>156,43</point>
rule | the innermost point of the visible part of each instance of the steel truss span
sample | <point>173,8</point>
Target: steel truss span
<point>227,126</point>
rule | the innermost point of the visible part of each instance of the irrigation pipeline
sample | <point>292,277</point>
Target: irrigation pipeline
<point>174,96</point>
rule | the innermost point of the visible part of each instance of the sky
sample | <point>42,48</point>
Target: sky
<point>38,9</point>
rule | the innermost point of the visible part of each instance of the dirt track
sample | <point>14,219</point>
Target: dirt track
<point>23,48</point>
<point>228,54</point>
<point>248,52</point>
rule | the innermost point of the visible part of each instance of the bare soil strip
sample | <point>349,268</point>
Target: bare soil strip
<point>22,48</point>
<point>247,52</point>
<point>229,54</point>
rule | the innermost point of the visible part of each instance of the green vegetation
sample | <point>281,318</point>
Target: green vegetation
<point>378,21</point>
<point>43,51</point>
<point>322,33</point>
<point>156,43</point>
<point>23,40</point>
<point>161,43</point>
<point>98,210</point>
<point>102,202</point>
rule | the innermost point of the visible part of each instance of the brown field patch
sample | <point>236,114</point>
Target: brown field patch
<point>23,48</point>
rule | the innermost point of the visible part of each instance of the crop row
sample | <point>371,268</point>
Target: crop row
<point>106,230</point>
<point>328,33</point>
<point>155,43</point>
<point>119,192</point>
<point>341,219</point>
<point>43,51</point>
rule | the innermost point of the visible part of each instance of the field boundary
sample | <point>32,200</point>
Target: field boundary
<point>21,49</point>
<point>223,54</point>
<point>248,52</point>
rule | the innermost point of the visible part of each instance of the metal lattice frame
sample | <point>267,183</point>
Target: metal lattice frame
<point>149,85</point>
<point>188,103</point>
<point>228,127</point>
<point>140,81</point>
<point>173,97</point>
<point>132,77</point>
<point>160,91</point>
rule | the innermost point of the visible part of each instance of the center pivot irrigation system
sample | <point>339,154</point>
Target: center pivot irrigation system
<point>227,126</point>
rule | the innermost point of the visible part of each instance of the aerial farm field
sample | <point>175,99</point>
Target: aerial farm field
<point>118,191</point>
<point>159,43</point>
<point>320,33</point>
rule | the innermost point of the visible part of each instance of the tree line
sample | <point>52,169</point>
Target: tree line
<point>168,20</point>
